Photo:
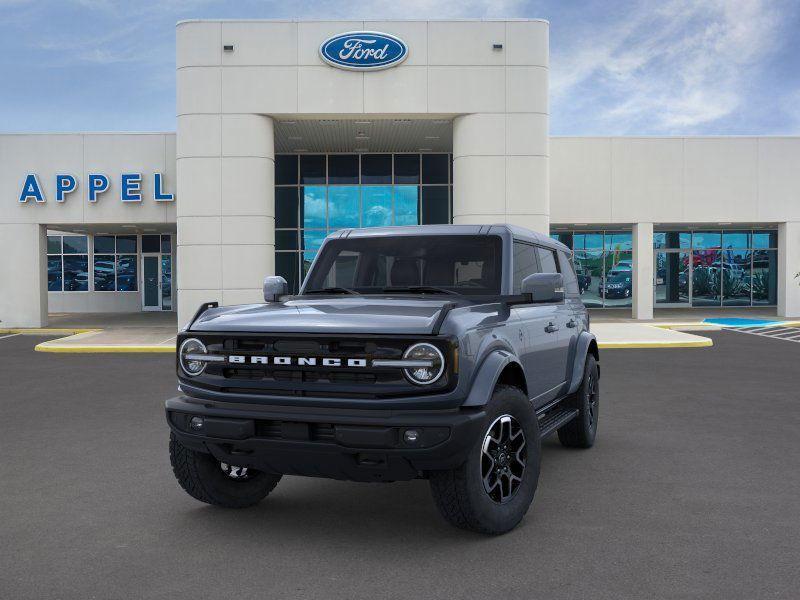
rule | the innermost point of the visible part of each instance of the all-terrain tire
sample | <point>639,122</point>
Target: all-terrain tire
<point>460,494</point>
<point>582,430</point>
<point>202,477</point>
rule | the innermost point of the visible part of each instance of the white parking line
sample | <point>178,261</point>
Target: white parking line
<point>790,334</point>
<point>2,337</point>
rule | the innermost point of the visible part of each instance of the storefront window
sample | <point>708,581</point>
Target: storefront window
<point>116,271</point>
<point>765,277</point>
<point>672,239</point>
<point>672,278</point>
<point>604,266</point>
<point>718,268</point>
<point>376,205</point>
<point>318,194</point>
<point>67,263</point>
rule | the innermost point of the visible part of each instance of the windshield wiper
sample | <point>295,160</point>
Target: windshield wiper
<point>332,290</point>
<point>420,289</point>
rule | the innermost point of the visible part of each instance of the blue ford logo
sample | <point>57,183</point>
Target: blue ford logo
<point>363,50</point>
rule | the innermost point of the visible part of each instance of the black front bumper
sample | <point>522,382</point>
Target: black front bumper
<point>357,445</point>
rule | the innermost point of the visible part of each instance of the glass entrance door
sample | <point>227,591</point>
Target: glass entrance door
<point>151,279</point>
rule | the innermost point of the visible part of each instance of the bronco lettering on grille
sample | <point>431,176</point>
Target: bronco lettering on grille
<point>300,361</point>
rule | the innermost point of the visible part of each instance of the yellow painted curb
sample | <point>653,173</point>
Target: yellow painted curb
<point>45,347</point>
<point>704,343</point>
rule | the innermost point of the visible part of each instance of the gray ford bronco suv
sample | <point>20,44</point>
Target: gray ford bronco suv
<point>443,352</point>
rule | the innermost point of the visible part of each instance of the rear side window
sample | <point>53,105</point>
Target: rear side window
<point>568,271</point>
<point>525,263</point>
<point>547,260</point>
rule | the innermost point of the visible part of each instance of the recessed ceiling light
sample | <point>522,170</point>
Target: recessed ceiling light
<point>288,122</point>
<point>329,121</point>
<point>362,136</point>
<point>441,121</point>
<point>402,121</point>
<point>363,122</point>
<point>128,226</point>
<point>426,149</point>
<point>432,137</point>
<point>301,149</point>
<point>361,149</point>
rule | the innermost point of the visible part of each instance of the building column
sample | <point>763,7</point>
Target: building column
<point>226,222</point>
<point>788,267</point>
<point>23,272</point>
<point>642,271</point>
<point>501,170</point>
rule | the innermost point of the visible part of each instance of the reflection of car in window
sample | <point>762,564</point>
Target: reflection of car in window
<point>617,285</point>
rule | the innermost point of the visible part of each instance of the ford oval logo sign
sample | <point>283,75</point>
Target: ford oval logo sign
<point>363,50</point>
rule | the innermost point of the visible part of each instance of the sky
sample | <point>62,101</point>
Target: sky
<point>669,67</point>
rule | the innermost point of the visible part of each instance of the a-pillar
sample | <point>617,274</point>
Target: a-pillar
<point>642,275</point>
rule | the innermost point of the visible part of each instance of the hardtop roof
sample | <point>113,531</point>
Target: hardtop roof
<point>519,233</point>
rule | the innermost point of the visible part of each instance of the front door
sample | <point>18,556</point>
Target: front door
<point>151,277</point>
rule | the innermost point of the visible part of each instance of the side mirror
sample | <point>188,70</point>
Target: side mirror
<point>274,287</point>
<point>544,287</point>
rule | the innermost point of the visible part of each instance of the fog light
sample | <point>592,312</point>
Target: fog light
<point>411,436</point>
<point>196,423</point>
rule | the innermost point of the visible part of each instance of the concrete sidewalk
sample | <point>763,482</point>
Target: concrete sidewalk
<point>107,332</point>
<point>643,335</point>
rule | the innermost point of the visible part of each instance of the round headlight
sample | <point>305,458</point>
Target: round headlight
<point>427,353</point>
<point>191,347</point>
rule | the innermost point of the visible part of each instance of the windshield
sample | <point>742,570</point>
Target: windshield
<point>462,264</point>
<point>619,278</point>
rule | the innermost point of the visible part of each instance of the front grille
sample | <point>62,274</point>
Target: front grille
<point>313,380</point>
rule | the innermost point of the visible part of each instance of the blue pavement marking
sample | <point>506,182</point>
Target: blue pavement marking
<point>739,322</point>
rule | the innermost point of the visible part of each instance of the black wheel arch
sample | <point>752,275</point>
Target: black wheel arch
<point>586,345</point>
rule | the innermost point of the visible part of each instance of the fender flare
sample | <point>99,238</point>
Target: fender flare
<point>586,343</point>
<point>485,378</point>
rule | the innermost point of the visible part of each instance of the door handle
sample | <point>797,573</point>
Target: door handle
<point>571,323</point>
<point>551,328</point>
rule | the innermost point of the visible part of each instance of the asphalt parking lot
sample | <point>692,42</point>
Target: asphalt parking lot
<point>692,491</point>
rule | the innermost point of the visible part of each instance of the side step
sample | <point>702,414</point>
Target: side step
<point>555,418</point>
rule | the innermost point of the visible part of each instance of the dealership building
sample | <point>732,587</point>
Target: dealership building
<point>290,130</point>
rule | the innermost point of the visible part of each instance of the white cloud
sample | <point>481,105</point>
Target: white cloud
<point>669,69</point>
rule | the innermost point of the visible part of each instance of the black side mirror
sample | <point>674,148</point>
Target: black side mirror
<point>544,287</point>
<point>274,287</point>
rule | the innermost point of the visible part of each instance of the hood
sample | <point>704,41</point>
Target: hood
<point>356,314</point>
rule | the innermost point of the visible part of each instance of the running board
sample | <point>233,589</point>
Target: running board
<point>554,419</point>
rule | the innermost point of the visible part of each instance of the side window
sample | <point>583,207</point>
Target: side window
<point>525,264</point>
<point>570,278</point>
<point>547,258</point>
